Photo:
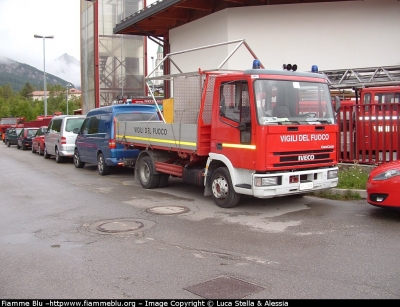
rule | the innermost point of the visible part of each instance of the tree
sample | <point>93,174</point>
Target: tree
<point>7,91</point>
<point>27,90</point>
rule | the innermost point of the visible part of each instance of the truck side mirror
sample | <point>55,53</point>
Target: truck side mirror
<point>242,126</point>
<point>337,103</point>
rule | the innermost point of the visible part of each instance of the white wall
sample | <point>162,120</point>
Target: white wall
<point>348,34</point>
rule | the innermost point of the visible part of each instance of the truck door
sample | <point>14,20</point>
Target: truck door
<point>231,128</point>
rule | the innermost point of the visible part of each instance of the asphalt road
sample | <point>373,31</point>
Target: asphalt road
<point>71,233</point>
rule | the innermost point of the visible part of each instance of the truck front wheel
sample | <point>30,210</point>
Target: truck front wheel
<point>223,193</point>
<point>147,178</point>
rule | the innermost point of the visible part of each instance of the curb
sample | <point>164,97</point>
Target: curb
<point>362,193</point>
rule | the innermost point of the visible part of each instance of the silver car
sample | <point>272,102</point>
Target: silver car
<point>59,139</point>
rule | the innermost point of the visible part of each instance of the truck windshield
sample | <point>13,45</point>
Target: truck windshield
<point>292,102</point>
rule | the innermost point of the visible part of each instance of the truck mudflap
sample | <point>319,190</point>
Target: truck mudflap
<point>290,183</point>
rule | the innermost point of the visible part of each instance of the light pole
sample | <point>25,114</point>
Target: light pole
<point>44,69</point>
<point>152,60</point>
<point>68,85</point>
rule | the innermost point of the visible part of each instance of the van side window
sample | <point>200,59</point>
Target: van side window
<point>85,126</point>
<point>94,125</point>
<point>104,124</point>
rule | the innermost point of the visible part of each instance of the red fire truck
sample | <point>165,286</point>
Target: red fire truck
<point>240,132</point>
<point>369,115</point>
<point>8,122</point>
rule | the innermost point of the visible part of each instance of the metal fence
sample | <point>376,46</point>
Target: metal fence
<point>368,133</point>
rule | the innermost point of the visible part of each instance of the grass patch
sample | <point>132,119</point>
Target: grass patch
<point>351,177</point>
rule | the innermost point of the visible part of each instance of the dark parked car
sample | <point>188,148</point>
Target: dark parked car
<point>383,186</point>
<point>12,136</point>
<point>24,139</point>
<point>38,141</point>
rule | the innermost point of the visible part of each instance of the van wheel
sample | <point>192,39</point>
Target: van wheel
<point>45,154</point>
<point>8,143</point>
<point>77,160</point>
<point>102,167</point>
<point>147,178</point>
<point>223,193</point>
<point>59,159</point>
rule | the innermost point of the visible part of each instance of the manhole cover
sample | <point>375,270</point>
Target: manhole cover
<point>168,210</point>
<point>224,288</point>
<point>119,226</point>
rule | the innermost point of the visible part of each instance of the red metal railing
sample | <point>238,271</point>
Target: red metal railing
<point>368,133</point>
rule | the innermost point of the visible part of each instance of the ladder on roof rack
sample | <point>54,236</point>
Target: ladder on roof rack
<point>363,77</point>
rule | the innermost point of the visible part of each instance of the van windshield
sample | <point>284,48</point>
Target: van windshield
<point>73,123</point>
<point>137,116</point>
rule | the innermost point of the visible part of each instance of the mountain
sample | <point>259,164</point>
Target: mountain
<point>67,68</point>
<point>63,70</point>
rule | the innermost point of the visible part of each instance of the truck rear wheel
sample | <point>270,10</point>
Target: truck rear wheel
<point>223,193</point>
<point>148,179</point>
<point>163,182</point>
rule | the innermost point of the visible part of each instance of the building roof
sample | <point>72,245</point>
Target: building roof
<point>163,15</point>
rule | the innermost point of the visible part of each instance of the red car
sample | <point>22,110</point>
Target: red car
<point>383,186</point>
<point>38,141</point>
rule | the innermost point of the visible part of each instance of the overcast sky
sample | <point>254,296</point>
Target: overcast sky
<point>21,19</point>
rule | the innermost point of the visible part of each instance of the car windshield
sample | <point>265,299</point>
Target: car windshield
<point>294,102</point>
<point>73,123</point>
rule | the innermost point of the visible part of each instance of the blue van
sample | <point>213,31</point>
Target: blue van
<point>95,142</point>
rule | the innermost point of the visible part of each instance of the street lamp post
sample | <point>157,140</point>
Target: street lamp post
<point>68,85</point>
<point>44,70</point>
<point>152,60</point>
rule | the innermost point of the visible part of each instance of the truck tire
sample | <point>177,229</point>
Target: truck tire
<point>77,160</point>
<point>163,180</point>
<point>102,167</point>
<point>222,190</point>
<point>45,154</point>
<point>59,159</point>
<point>147,178</point>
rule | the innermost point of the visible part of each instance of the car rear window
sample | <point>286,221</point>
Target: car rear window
<point>31,132</point>
<point>137,116</point>
<point>73,123</point>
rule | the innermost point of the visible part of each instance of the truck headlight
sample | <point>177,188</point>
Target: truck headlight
<point>266,181</point>
<point>332,174</point>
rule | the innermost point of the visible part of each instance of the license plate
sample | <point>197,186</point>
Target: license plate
<point>306,185</point>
